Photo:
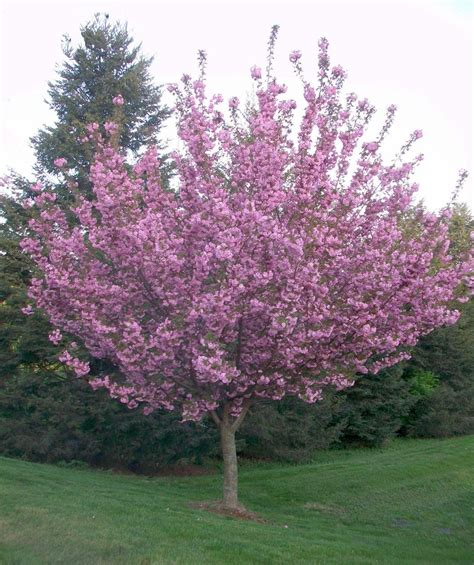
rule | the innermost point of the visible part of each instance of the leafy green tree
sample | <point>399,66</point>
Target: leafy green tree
<point>461,227</point>
<point>103,66</point>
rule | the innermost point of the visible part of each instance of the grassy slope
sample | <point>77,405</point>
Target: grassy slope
<point>410,503</point>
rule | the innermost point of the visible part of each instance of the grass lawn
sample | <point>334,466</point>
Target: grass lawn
<point>412,502</point>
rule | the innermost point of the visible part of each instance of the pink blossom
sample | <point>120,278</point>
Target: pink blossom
<point>277,265</point>
<point>338,71</point>
<point>118,100</point>
<point>81,368</point>
<point>323,43</point>
<point>110,127</point>
<point>256,72</point>
<point>371,147</point>
<point>60,163</point>
<point>92,128</point>
<point>55,337</point>
<point>295,56</point>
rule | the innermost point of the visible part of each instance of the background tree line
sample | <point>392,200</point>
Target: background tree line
<point>48,415</point>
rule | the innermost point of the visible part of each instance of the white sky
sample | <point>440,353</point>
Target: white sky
<point>416,54</point>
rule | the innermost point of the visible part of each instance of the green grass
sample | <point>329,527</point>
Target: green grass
<point>412,502</point>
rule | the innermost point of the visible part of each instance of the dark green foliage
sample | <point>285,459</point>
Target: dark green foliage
<point>103,66</point>
<point>449,411</point>
<point>449,352</point>
<point>52,419</point>
<point>375,408</point>
<point>422,385</point>
<point>291,430</point>
<point>460,229</point>
<point>23,339</point>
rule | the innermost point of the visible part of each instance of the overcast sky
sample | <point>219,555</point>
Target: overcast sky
<point>415,54</point>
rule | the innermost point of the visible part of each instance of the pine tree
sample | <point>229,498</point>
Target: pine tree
<point>104,65</point>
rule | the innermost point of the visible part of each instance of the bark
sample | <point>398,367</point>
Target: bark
<point>228,426</point>
<point>229,455</point>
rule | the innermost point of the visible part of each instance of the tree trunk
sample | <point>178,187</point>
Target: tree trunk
<point>229,455</point>
<point>228,426</point>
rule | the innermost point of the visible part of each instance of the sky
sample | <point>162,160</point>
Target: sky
<point>415,54</point>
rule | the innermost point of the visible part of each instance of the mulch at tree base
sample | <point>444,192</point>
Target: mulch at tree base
<point>217,507</point>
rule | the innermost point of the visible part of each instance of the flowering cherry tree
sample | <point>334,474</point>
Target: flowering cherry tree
<point>285,259</point>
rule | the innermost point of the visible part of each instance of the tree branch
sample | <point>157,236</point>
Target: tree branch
<point>216,418</point>
<point>239,344</point>
<point>245,408</point>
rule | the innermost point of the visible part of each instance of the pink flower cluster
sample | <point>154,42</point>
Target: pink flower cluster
<point>256,72</point>
<point>110,127</point>
<point>55,337</point>
<point>60,163</point>
<point>81,368</point>
<point>295,56</point>
<point>270,270</point>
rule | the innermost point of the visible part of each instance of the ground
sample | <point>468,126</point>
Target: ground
<point>411,502</point>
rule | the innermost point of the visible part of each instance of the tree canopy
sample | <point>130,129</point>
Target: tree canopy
<point>269,271</point>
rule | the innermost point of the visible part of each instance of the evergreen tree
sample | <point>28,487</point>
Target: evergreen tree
<point>106,64</point>
<point>23,339</point>
<point>375,408</point>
